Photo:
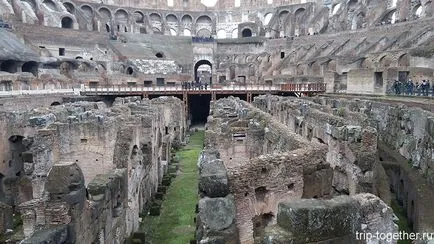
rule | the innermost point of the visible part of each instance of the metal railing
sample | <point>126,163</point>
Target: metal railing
<point>315,87</point>
<point>40,92</point>
<point>84,90</point>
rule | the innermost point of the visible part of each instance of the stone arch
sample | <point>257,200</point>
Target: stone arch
<point>10,66</point>
<point>121,15</point>
<point>70,8</point>
<point>55,104</point>
<point>234,33</point>
<point>221,34</point>
<point>186,32</point>
<point>173,32</point>
<point>204,22</point>
<point>156,23</point>
<point>50,4</point>
<point>67,23</point>
<point>31,67</point>
<point>365,63</point>
<point>283,17</point>
<point>315,69</point>
<point>232,72</point>
<point>139,17</point>
<point>200,63</point>
<point>105,13</point>
<point>87,10</point>
<point>299,24</point>
<point>171,18</point>
<point>427,9</point>
<point>186,22</point>
<point>186,19</point>
<point>31,3</point>
<point>299,69</point>
<point>246,32</point>
<point>384,61</point>
<point>267,18</point>
<point>418,11</point>
<point>252,69</point>
<point>155,17</point>
<point>404,60</point>
<point>336,8</point>
<point>389,17</point>
<point>172,22</point>
<point>351,4</point>
<point>204,19</point>
<point>357,21</point>
<point>129,71</point>
<point>331,66</point>
<point>203,32</point>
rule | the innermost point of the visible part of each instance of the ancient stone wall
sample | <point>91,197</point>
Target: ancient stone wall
<point>406,129</point>
<point>351,141</point>
<point>310,153</point>
<point>265,163</point>
<point>339,220</point>
<point>121,153</point>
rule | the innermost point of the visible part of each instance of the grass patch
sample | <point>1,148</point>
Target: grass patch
<point>175,225</point>
<point>403,222</point>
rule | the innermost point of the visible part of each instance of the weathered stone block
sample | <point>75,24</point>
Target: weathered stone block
<point>213,181</point>
<point>313,220</point>
<point>217,213</point>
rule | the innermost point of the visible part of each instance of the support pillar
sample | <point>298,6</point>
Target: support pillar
<point>185,100</point>
<point>213,96</point>
<point>249,97</point>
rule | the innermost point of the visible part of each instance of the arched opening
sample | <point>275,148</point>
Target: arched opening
<point>129,71</point>
<point>336,8</point>
<point>159,55</point>
<point>105,13</point>
<point>203,33</point>
<point>404,60</point>
<point>31,67</point>
<point>418,10</point>
<point>107,27</point>
<point>389,17</point>
<point>87,10</point>
<point>221,34</point>
<point>234,33</point>
<point>67,23</point>
<point>204,26</point>
<point>246,33</point>
<point>203,71</point>
<point>187,32</point>
<point>139,17</point>
<point>267,18</point>
<point>55,104</point>
<point>9,66</point>
<point>173,32</point>
<point>69,7</point>
<point>50,4</point>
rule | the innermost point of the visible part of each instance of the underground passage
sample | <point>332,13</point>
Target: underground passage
<point>211,121</point>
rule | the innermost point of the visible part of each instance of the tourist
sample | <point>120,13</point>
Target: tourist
<point>423,87</point>
<point>427,88</point>
<point>410,87</point>
<point>206,85</point>
<point>397,87</point>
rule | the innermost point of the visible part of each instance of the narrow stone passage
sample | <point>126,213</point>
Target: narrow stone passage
<point>175,224</point>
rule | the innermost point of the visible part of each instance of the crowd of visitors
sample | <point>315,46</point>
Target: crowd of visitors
<point>194,85</point>
<point>411,88</point>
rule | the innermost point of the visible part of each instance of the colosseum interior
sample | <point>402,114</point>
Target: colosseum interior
<point>216,121</point>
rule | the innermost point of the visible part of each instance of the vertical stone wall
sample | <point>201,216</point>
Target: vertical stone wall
<point>117,153</point>
<point>350,138</point>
